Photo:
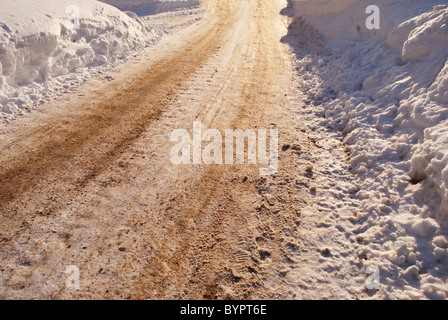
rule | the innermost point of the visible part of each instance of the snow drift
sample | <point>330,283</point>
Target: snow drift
<point>42,51</point>
<point>386,90</point>
<point>388,85</point>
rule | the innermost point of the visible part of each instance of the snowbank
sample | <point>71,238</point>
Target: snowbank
<point>43,52</point>
<point>147,7</point>
<point>387,91</point>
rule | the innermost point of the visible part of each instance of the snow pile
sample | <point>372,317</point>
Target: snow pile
<point>386,90</point>
<point>147,7</point>
<point>43,49</point>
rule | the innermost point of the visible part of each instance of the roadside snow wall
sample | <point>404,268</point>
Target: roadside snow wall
<point>41,53</point>
<point>387,90</point>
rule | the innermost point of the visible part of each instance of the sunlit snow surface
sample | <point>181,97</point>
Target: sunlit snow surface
<point>386,90</point>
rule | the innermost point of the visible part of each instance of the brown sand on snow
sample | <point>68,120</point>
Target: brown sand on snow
<point>88,181</point>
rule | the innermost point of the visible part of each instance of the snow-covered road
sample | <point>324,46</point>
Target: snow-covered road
<point>88,182</point>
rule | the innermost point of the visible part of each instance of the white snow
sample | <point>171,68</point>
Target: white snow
<point>386,90</point>
<point>42,54</point>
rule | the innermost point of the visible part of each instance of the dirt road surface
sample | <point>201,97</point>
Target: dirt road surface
<point>88,181</point>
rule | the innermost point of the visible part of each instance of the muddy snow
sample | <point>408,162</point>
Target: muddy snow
<point>356,210</point>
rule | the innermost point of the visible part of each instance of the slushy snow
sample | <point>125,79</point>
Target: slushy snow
<point>386,91</point>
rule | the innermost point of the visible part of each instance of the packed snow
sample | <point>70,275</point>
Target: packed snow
<point>48,47</point>
<point>385,90</point>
